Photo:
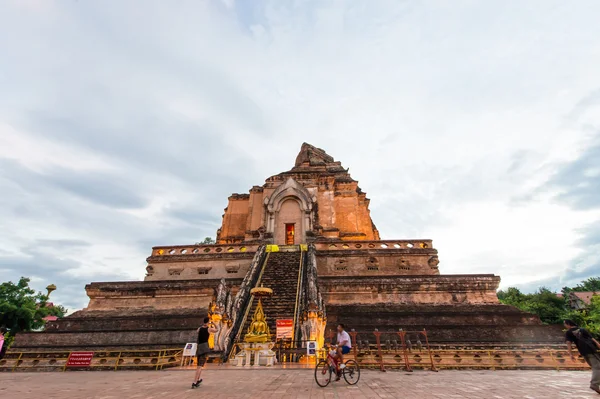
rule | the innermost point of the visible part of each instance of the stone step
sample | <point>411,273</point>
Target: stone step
<point>281,275</point>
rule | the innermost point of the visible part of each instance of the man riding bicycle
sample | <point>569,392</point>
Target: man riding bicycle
<point>343,346</point>
<point>333,363</point>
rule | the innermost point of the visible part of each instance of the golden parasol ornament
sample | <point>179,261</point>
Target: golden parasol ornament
<point>261,291</point>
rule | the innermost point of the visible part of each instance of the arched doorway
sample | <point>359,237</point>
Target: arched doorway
<point>289,213</point>
<point>289,229</point>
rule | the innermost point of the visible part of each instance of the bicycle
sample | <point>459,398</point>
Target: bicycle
<point>326,368</point>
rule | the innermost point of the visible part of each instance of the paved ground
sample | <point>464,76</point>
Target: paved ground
<point>295,383</point>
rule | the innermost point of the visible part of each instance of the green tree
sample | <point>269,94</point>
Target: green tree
<point>588,318</point>
<point>547,305</point>
<point>593,313</point>
<point>553,309</point>
<point>22,309</point>
<point>207,241</point>
<point>544,303</point>
<point>512,296</point>
<point>591,284</point>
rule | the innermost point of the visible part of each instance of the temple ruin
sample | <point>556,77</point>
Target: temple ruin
<point>307,234</point>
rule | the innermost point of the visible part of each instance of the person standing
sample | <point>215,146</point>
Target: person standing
<point>2,343</point>
<point>203,349</point>
<point>588,348</point>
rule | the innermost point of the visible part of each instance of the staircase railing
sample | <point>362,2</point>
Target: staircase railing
<point>251,301</point>
<point>243,300</point>
<point>300,299</point>
<point>311,303</point>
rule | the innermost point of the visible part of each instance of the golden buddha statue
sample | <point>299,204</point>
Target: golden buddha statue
<point>259,329</point>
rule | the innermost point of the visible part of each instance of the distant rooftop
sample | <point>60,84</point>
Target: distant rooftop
<point>585,296</point>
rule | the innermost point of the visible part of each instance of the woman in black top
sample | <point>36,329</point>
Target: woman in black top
<point>202,350</point>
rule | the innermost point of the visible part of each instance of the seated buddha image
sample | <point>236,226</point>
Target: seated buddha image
<point>258,330</point>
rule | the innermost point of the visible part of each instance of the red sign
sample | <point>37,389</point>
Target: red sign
<point>284,328</point>
<point>80,359</point>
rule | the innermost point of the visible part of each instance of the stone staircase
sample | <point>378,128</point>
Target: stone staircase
<point>281,275</point>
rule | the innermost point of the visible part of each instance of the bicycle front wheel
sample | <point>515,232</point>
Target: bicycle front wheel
<point>351,372</point>
<point>322,374</point>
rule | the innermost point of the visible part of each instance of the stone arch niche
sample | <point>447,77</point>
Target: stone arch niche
<point>291,203</point>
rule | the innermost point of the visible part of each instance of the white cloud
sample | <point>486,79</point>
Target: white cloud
<point>39,152</point>
<point>451,115</point>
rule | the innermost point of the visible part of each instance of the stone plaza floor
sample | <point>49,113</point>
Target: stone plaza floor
<point>295,383</point>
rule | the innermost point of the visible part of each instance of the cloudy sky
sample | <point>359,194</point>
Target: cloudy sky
<point>126,124</point>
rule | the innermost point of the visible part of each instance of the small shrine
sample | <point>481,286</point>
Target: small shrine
<point>257,341</point>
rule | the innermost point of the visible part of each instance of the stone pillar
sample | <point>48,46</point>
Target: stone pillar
<point>256,351</point>
<point>307,226</point>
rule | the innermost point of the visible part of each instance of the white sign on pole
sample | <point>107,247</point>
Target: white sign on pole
<point>190,349</point>
<point>311,348</point>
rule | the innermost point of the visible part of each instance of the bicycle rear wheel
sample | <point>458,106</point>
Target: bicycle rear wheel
<point>322,374</point>
<point>351,372</point>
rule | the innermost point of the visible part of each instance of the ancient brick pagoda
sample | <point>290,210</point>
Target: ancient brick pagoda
<point>308,235</point>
